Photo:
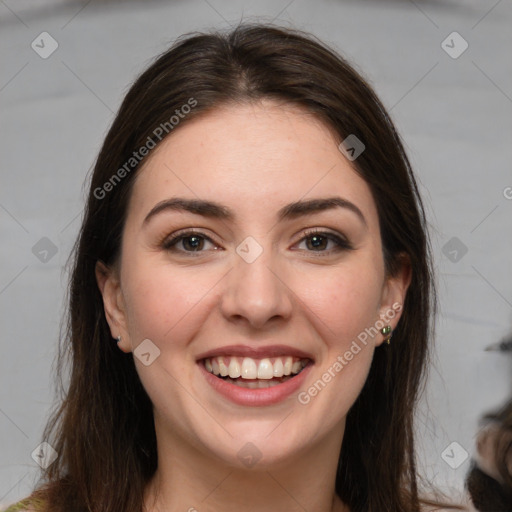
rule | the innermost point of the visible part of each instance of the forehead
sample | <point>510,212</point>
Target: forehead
<point>253,157</point>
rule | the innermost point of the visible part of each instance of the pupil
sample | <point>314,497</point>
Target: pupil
<point>196,244</point>
<point>317,241</point>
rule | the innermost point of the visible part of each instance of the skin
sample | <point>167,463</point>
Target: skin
<point>254,159</point>
<point>486,451</point>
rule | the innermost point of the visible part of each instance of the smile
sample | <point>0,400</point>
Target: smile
<point>255,382</point>
<point>248,368</point>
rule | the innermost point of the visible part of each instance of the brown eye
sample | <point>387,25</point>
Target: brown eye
<point>194,243</point>
<point>318,241</point>
<point>315,242</point>
<point>187,242</point>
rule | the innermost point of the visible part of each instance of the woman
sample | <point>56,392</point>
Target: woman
<point>255,243</point>
<point>489,481</point>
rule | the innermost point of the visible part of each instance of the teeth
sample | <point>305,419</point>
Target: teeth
<point>256,384</point>
<point>288,365</point>
<point>250,369</point>
<point>265,369</point>
<point>296,367</point>
<point>234,368</point>
<point>223,368</point>
<point>278,367</point>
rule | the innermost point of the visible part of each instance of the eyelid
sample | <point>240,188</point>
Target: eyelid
<point>169,241</point>
<point>343,243</point>
<point>323,231</point>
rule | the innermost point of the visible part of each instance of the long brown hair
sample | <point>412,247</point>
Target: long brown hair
<point>103,428</point>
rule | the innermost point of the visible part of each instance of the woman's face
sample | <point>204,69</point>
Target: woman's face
<point>254,289</point>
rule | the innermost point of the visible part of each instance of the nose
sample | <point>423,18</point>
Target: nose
<point>256,292</point>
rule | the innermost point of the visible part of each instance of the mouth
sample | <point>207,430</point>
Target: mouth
<point>255,373</point>
<point>256,376</point>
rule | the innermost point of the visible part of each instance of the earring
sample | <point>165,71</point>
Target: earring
<point>387,331</point>
<point>118,339</point>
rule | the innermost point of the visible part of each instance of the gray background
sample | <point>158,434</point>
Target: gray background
<point>455,115</point>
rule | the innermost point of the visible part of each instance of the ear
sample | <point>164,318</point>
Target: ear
<point>113,303</point>
<point>393,294</point>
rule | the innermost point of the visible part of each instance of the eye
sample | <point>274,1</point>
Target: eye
<point>318,241</point>
<point>190,241</point>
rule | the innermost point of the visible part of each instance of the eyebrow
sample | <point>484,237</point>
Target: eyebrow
<point>215,210</point>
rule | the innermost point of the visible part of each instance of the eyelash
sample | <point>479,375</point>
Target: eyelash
<point>341,243</point>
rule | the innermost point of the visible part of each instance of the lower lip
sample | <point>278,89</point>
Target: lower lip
<point>256,397</point>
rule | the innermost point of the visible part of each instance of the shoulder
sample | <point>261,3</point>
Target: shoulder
<point>467,506</point>
<point>442,509</point>
<point>26,506</point>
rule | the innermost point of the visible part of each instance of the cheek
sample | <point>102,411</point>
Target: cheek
<point>345,301</point>
<point>345,309</point>
<point>160,302</point>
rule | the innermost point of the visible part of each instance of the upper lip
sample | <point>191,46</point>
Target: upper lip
<point>255,352</point>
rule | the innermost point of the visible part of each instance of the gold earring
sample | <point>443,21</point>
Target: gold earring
<point>387,331</point>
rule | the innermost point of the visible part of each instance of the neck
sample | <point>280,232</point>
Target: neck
<point>190,480</point>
